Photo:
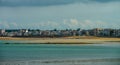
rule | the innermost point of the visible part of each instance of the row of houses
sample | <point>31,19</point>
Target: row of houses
<point>60,33</point>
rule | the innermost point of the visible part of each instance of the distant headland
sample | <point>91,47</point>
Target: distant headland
<point>98,32</point>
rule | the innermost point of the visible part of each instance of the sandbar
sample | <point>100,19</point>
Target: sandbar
<point>64,40</point>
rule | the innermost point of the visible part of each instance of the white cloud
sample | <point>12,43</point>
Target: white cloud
<point>4,24</point>
<point>74,22</point>
<point>8,25</point>
<point>88,24</point>
<point>43,25</point>
<point>67,23</point>
<point>14,24</point>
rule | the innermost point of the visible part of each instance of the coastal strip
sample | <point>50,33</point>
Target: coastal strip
<point>65,40</point>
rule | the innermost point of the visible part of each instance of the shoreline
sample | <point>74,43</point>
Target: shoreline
<point>66,60</point>
<point>63,40</point>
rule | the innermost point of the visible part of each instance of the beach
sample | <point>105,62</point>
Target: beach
<point>64,40</point>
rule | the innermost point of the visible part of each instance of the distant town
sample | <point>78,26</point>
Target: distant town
<point>99,32</point>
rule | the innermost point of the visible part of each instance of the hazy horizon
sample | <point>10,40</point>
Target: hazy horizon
<point>59,14</point>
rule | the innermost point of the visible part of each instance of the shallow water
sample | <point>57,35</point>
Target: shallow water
<point>48,54</point>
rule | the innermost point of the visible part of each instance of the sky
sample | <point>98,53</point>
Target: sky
<point>59,14</point>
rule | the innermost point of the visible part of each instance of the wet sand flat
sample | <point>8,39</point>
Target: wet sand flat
<point>64,40</point>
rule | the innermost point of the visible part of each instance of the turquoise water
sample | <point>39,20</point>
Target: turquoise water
<point>72,53</point>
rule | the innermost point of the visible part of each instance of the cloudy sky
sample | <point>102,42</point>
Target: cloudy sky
<point>60,14</point>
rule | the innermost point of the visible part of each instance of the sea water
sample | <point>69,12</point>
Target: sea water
<point>59,54</point>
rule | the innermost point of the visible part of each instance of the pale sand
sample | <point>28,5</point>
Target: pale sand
<point>65,40</point>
